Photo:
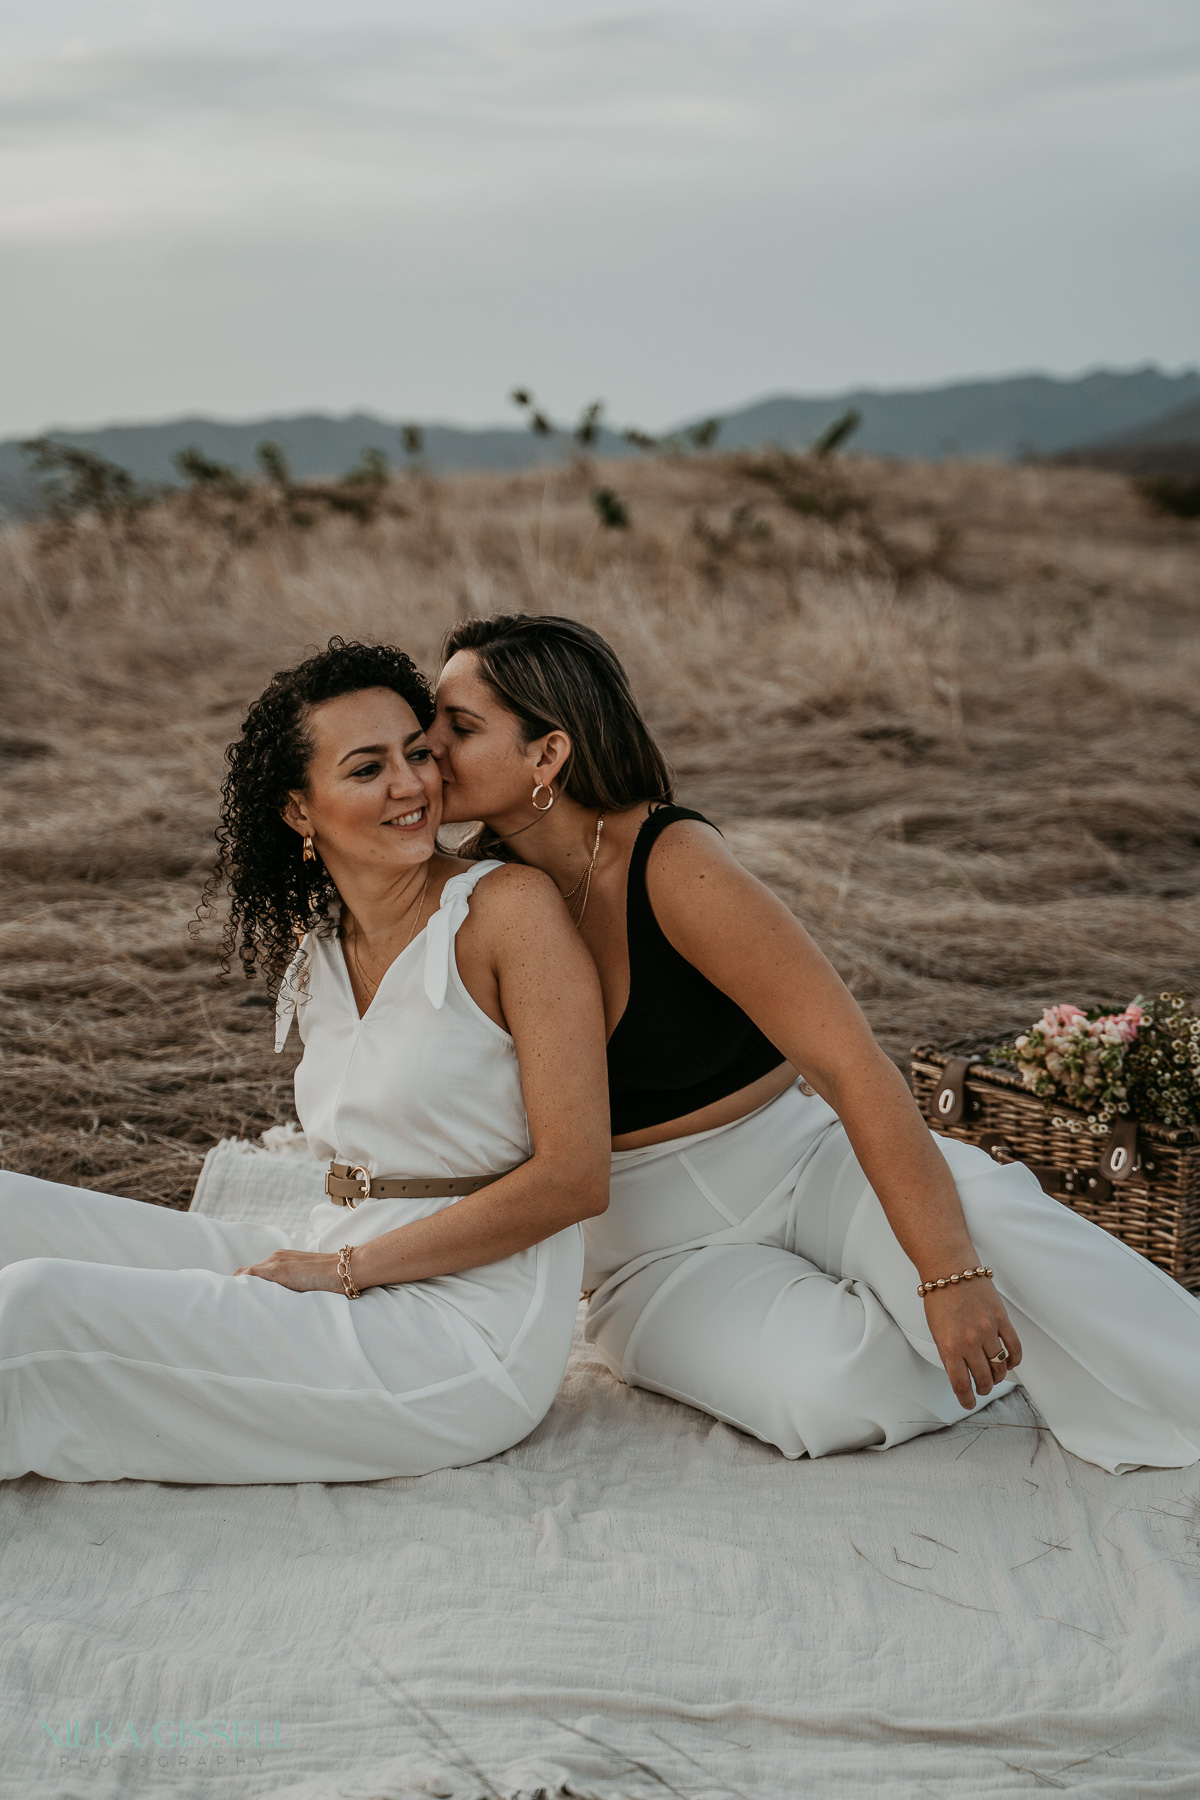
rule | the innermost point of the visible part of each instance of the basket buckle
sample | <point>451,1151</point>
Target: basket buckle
<point>1121,1158</point>
<point>1089,1182</point>
<point>997,1147</point>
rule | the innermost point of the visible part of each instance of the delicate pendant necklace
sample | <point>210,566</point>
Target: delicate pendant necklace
<point>585,880</point>
<point>373,986</point>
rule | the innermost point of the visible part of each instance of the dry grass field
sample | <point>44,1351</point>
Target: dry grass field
<point>950,713</point>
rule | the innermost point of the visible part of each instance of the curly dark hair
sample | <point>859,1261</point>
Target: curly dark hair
<point>274,895</point>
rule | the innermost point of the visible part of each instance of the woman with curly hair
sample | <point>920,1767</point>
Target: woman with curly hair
<point>452,1078</point>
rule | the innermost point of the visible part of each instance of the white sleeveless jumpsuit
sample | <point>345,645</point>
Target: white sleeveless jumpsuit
<point>129,1349</point>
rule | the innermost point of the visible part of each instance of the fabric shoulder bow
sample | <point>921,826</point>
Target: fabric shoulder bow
<point>294,992</point>
<point>441,930</point>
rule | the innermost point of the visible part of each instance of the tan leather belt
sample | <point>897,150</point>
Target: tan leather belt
<point>348,1183</point>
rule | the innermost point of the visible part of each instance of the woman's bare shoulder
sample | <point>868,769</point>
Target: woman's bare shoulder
<point>502,878</point>
<point>689,849</point>
<point>514,893</point>
<point>696,883</point>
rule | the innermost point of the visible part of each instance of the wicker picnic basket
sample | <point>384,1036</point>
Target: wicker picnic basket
<point>1141,1182</point>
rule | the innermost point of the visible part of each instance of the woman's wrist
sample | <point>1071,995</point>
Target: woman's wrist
<point>942,1283</point>
<point>942,1262</point>
<point>362,1265</point>
<point>345,1275</point>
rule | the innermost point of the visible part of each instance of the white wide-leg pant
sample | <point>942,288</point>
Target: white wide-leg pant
<point>751,1271</point>
<point>128,1347</point>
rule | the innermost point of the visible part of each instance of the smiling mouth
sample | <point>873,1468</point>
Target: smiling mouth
<point>406,821</point>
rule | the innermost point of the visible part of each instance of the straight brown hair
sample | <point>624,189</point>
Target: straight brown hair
<point>554,674</point>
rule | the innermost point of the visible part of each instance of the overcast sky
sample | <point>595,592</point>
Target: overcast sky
<point>246,206</point>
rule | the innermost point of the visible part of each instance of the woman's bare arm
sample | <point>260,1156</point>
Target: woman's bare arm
<point>549,994</point>
<point>739,935</point>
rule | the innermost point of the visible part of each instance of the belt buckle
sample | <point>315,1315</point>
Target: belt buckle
<point>359,1174</point>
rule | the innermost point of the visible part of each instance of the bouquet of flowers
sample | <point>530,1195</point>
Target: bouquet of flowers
<point>1143,1063</point>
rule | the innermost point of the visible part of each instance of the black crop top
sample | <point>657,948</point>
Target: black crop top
<point>681,1043</point>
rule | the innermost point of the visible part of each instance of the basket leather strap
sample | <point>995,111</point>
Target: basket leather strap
<point>1121,1158</point>
<point>950,1100</point>
<point>1058,1183</point>
<point>348,1183</point>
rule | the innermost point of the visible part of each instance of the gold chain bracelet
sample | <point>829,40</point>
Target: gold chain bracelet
<point>343,1269</point>
<point>927,1287</point>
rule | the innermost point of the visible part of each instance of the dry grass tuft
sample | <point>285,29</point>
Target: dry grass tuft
<point>948,712</point>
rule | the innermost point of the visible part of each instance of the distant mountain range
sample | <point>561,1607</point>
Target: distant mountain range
<point>1014,416</point>
<point>1006,418</point>
<point>1182,427</point>
<point>1166,446</point>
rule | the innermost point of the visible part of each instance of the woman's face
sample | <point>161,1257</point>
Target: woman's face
<point>487,770</point>
<point>373,797</point>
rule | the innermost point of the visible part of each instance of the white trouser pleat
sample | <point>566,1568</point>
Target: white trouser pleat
<point>128,1349</point>
<point>752,1272</point>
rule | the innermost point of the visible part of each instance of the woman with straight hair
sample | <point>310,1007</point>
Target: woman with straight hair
<point>452,1079</point>
<point>786,1246</point>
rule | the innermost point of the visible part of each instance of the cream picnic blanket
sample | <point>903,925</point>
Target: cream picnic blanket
<point>635,1601</point>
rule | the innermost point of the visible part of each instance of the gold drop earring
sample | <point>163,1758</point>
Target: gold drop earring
<point>310,854</point>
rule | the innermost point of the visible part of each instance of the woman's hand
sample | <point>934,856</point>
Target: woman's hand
<point>970,1327</point>
<point>306,1271</point>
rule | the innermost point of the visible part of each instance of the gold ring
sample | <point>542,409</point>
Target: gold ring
<point>1001,1358</point>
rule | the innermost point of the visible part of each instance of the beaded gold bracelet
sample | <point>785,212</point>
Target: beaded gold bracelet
<point>927,1287</point>
<point>343,1269</point>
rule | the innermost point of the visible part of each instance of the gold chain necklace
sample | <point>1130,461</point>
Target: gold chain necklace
<point>585,877</point>
<point>373,986</point>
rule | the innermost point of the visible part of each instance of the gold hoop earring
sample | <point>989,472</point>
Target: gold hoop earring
<point>541,786</point>
<point>310,854</point>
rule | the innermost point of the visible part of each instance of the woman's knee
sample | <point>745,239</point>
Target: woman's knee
<point>993,1194</point>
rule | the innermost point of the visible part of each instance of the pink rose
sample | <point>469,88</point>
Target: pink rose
<point>1128,1023</point>
<point>1062,1018</point>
